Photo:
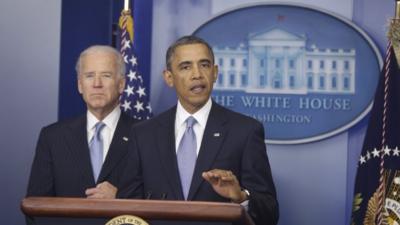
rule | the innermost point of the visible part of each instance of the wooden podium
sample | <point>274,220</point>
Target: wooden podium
<point>99,211</point>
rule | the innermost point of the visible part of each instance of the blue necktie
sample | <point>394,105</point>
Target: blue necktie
<point>96,150</point>
<point>187,156</point>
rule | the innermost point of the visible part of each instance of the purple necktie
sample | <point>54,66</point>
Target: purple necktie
<point>187,155</point>
<point>96,150</point>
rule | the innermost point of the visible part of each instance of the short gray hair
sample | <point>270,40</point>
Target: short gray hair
<point>119,59</point>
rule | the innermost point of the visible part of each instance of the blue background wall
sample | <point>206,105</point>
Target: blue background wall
<point>29,71</point>
<point>35,34</point>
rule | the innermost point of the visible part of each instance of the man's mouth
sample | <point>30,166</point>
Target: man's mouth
<point>97,94</point>
<point>197,88</point>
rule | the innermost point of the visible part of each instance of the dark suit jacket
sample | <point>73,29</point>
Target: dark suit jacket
<point>231,141</point>
<point>62,166</point>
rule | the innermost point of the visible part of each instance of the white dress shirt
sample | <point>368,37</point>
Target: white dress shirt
<point>107,133</point>
<point>201,117</point>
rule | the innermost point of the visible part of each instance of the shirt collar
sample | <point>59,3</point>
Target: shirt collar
<point>110,120</point>
<point>201,115</point>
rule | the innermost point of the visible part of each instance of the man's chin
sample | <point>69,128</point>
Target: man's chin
<point>198,103</point>
<point>97,106</point>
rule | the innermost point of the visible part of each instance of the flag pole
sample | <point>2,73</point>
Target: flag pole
<point>126,20</point>
<point>126,5</point>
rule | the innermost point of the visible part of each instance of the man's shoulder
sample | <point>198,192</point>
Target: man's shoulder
<point>80,121</point>
<point>165,118</point>
<point>65,124</point>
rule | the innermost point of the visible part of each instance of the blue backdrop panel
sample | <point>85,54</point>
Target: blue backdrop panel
<point>83,23</point>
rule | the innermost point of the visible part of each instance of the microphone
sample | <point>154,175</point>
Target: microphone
<point>164,196</point>
<point>148,195</point>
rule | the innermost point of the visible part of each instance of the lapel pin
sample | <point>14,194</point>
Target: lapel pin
<point>125,138</point>
<point>216,134</point>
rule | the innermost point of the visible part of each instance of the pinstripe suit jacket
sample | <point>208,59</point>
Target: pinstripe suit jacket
<point>62,167</point>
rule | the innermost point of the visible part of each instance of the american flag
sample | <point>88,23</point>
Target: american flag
<point>134,100</point>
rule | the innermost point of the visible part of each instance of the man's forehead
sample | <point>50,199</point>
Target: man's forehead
<point>98,57</point>
<point>191,47</point>
<point>192,52</point>
<point>98,71</point>
<point>98,60</point>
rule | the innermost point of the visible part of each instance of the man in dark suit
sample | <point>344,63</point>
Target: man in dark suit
<point>72,158</point>
<point>230,163</point>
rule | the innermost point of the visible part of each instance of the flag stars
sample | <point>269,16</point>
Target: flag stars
<point>141,91</point>
<point>148,107</point>
<point>368,155</point>
<point>133,60</point>
<point>134,99</point>
<point>132,75</point>
<point>375,153</point>
<point>362,160</point>
<point>140,78</point>
<point>396,152</point>
<point>129,90</point>
<point>127,44</point>
<point>386,151</point>
<point>139,106</point>
<point>126,106</point>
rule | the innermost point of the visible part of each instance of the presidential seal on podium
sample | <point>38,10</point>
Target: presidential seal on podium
<point>127,219</point>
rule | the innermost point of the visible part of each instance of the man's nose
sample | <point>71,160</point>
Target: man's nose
<point>97,81</point>
<point>196,73</point>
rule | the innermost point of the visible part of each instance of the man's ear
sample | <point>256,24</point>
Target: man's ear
<point>79,85</point>
<point>168,78</point>
<point>121,85</point>
<point>215,72</point>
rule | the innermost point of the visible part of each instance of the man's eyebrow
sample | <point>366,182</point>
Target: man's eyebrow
<point>184,63</point>
<point>205,60</point>
<point>106,72</point>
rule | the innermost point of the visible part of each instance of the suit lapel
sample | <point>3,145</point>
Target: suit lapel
<point>76,139</point>
<point>118,147</point>
<point>214,134</point>
<point>166,148</point>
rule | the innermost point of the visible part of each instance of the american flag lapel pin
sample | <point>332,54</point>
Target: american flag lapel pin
<point>217,134</point>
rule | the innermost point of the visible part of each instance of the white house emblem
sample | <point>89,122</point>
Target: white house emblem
<point>305,74</point>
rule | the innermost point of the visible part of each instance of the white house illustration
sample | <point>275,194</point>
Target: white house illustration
<point>280,62</point>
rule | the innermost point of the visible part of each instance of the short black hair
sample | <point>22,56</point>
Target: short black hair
<point>186,40</point>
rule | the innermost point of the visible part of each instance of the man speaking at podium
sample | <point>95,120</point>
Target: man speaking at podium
<point>200,151</point>
<point>86,156</point>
